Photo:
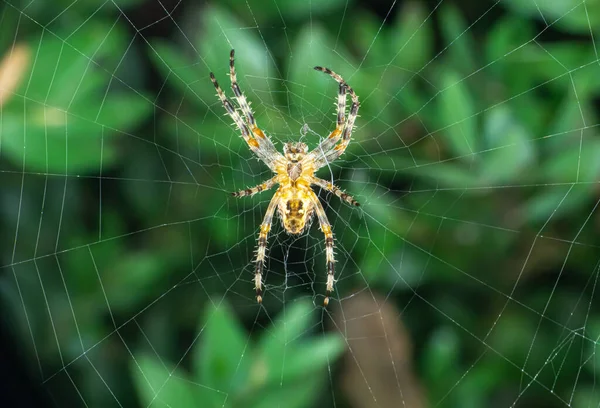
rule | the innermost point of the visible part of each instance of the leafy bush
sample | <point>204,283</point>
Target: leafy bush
<point>474,159</point>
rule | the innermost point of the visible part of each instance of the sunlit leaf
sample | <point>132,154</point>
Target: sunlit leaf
<point>256,72</point>
<point>441,356</point>
<point>457,36</point>
<point>438,173</point>
<point>220,361</point>
<point>65,122</point>
<point>159,386</point>
<point>312,94</point>
<point>570,16</point>
<point>576,164</point>
<point>275,343</point>
<point>508,147</point>
<point>297,393</point>
<point>311,355</point>
<point>411,37</point>
<point>457,115</point>
<point>190,78</point>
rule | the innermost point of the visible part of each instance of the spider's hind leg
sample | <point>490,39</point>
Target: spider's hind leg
<point>261,250</point>
<point>326,229</point>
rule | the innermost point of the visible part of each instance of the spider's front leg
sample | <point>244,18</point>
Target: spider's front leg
<point>265,227</point>
<point>256,189</point>
<point>329,149</point>
<point>335,190</point>
<point>258,134</point>
<point>239,122</point>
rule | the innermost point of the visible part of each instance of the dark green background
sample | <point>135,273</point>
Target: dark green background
<point>127,271</point>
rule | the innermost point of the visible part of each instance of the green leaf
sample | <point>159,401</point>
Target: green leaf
<point>275,344</point>
<point>55,141</point>
<point>586,395</point>
<point>476,387</point>
<point>9,19</point>
<point>158,387</point>
<point>300,10</point>
<point>441,174</point>
<point>289,10</point>
<point>510,145</point>
<point>221,361</point>
<point>49,147</point>
<point>65,124</point>
<point>313,93</point>
<point>441,357</point>
<point>592,331</point>
<point>458,39</point>
<point>576,163</point>
<point>256,71</point>
<point>73,72</point>
<point>504,37</point>
<point>569,116</point>
<point>366,29</point>
<point>556,202</point>
<point>572,16</point>
<point>290,325</point>
<point>141,270</point>
<point>190,79</point>
<point>456,115</point>
<point>311,355</point>
<point>119,111</point>
<point>412,37</point>
<point>390,220</point>
<point>296,393</point>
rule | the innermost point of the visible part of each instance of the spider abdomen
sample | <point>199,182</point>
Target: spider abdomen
<point>296,210</point>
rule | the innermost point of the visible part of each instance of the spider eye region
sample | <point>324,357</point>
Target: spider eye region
<point>295,151</point>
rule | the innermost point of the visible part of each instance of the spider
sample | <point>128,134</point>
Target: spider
<point>294,200</point>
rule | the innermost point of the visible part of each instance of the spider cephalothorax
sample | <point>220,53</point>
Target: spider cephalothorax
<point>294,200</point>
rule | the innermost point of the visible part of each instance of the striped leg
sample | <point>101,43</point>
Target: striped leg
<point>326,229</point>
<point>241,99</point>
<point>262,245</point>
<point>334,136</point>
<point>235,116</point>
<point>335,190</point>
<point>253,190</point>
<point>339,149</point>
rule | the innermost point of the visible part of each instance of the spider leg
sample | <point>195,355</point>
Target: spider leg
<point>262,245</point>
<point>257,189</point>
<point>335,190</point>
<point>334,136</point>
<point>338,149</point>
<point>252,143</point>
<point>259,135</point>
<point>326,229</point>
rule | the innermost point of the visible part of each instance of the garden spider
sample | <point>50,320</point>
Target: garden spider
<point>294,171</point>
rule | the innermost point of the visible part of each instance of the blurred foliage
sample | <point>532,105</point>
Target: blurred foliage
<point>475,159</point>
<point>284,365</point>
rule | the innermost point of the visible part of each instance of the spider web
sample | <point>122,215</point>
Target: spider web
<point>475,235</point>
